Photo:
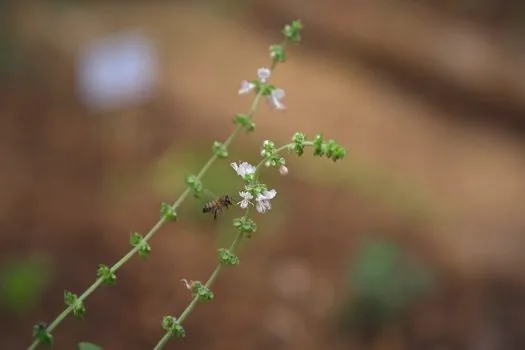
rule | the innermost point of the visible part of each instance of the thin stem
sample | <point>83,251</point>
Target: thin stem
<point>279,150</point>
<point>153,230</point>
<point>191,306</point>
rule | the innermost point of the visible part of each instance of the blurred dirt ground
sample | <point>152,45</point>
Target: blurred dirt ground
<point>448,190</point>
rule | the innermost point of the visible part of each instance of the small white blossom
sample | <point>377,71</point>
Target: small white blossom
<point>275,99</point>
<point>246,196</point>
<point>264,74</point>
<point>243,168</point>
<point>263,201</point>
<point>246,87</point>
<point>283,170</point>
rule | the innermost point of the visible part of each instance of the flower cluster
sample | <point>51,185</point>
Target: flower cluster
<point>253,189</point>
<point>272,157</point>
<point>261,86</point>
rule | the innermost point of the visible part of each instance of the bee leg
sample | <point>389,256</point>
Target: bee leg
<point>215,212</point>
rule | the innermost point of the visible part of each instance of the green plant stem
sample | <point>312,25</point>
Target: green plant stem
<point>191,306</point>
<point>152,231</point>
<point>279,150</point>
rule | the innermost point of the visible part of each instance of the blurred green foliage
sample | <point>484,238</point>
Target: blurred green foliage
<point>88,346</point>
<point>21,283</point>
<point>373,183</point>
<point>384,283</point>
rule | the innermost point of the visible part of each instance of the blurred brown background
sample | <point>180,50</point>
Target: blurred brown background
<point>416,240</point>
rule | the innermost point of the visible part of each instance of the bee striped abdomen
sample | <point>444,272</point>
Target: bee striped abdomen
<point>208,207</point>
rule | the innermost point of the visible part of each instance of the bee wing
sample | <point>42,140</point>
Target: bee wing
<point>210,193</point>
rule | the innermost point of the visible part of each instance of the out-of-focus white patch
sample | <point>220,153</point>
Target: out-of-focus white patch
<point>116,71</point>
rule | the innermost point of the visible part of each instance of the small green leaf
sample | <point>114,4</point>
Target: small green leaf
<point>170,324</point>
<point>244,121</point>
<point>292,32</point>
<point>41,335</point>
<point>72,300</point>
<point>144,250</point>
<point>227,258</point>
<point>298,139</point>
<point>245,225</point>
<point>203,292</point>
<point>167,212</point>
<point>219,149</point>
<point>277,53</point>
<point>108,277</point>
<point>69,298</point>
<point>195,184</point>
<point>266,90</point>
<point>179,331</point>
<point>135,239</point>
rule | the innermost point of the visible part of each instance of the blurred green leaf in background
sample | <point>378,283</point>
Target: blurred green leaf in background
<point>88,346</point>
<point>384,282</point>
<point>22,282</point>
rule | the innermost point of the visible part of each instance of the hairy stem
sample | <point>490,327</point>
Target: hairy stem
<point>162,342</point>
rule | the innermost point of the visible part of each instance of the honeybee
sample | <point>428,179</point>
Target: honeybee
<point>217,205</point>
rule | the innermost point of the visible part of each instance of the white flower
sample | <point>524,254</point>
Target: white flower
<point>274,99</point>
<point>246,87</point>
<point>264,74</point>
<point>263,201</point>
<point>243,169</point>
<point>246,196</point>
<point>283,170</point>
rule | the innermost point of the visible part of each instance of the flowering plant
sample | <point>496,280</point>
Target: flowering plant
<point>254,193</point>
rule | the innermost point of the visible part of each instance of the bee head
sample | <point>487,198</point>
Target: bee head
<point>228,199</point>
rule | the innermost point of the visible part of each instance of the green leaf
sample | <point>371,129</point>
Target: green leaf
<point>21,283</point>
<point>88,346</point>
<point>220,150</point>
<point>42,335</point>
<point>106,274</point>
<point>167,212</point>
<point>135,239</point>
